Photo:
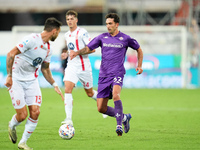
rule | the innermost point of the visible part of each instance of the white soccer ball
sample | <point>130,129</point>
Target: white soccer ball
<point>66,131</point>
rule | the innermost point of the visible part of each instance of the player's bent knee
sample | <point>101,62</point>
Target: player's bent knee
<point>22,116</point>
<point>101,110</point>
<point>90,94</point>
<point>34,114</point>
<point>116,97</point>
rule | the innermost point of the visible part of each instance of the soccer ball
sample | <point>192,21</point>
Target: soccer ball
<point>66,131</point>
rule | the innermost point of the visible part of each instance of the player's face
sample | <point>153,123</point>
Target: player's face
<point>55,34</point>
<point>71,21</point>
<point>112,27</point>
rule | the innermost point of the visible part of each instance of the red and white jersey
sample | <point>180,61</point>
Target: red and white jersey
<point>33,52</point>
<point>77,40</point>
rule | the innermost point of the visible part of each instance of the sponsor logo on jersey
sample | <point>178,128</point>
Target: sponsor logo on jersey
<point>37,61</point>
<point>71,46</point>
<point>115,45</point>
<point>105,37</point>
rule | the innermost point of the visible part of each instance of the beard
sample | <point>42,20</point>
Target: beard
<point>53,38</point>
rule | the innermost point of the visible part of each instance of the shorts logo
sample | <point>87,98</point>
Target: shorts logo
<point>18,102</point>
<point>71,46</point>
<point>37,61</point>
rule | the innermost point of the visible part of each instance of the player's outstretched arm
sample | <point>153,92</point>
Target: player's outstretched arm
<point>91,51</point>
<point>48,76</point>
<point>82,51</point>
<point>9,64</point>
<point>139,69</point>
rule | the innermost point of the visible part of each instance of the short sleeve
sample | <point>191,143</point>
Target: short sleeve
<point>133,43</point>
<point>48,57</point>
<point>26,44</point>
<point>86,37</point>
<point>95,43</point>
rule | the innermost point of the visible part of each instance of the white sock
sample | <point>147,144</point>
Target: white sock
<point>95,95</point>
<point>29,128</point>
<point>14,122</point>
<point>68,105</point>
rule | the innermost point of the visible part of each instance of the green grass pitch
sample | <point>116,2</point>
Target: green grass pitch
<point>163,119</point>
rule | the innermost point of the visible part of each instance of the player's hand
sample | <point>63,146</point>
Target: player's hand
<point>72,54</point>
<point>57,89</point>
<point>64,55</point>
<point>139,70</point>
<point>8,83</point>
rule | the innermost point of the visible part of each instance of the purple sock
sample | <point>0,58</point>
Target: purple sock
<point>118,111</point>
<point>110,111</point>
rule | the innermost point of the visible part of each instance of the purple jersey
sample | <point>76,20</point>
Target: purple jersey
<point>113,51</point>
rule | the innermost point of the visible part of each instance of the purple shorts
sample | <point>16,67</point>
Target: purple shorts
<point>105,85</point>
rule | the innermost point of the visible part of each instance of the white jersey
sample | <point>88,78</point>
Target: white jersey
<point>77,40</point>
<point>33,52</point>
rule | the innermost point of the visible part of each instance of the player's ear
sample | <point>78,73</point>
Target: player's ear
<point>117,24</point>
<point>54,31</point>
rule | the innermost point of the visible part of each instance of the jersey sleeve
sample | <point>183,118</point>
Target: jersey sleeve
<point>86,37</point>
<point>65,37</point>
<point>26,44</point>
<point>95,43</point>
<point>48,57</point>
<point>133,43</point>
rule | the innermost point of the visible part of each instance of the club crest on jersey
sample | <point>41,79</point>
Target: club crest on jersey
<point>21,45</point>
<point>121,38</point>
<point>71,46</point>
<point>37,61</point>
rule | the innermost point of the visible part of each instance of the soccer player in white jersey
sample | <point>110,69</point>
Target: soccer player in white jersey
<point>78,69</point>
<point>23,62</point>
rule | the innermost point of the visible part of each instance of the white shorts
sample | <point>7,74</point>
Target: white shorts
<point>25,93</point>
<point>85,77</point>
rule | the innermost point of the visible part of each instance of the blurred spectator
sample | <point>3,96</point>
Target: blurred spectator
<point>64,61</point>
<point>194,38</point>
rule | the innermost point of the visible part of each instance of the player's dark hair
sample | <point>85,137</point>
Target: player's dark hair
<point>113,16</point>
<point>52,23</point>
<point>72,12</point>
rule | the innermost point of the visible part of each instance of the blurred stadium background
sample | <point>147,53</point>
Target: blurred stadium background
<point>167,30</point>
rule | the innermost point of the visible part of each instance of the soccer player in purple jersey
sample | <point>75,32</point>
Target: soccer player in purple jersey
<point>113,45</point>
